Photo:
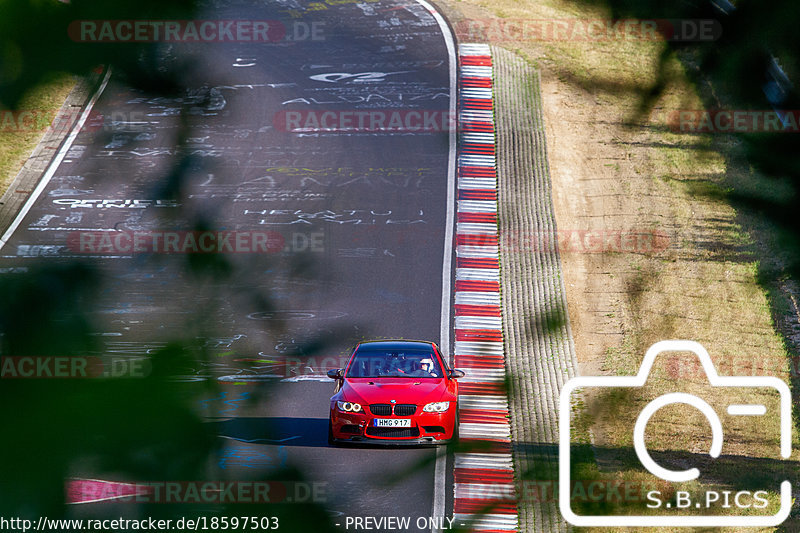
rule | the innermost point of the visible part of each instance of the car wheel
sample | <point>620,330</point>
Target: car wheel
<point>330,433</point>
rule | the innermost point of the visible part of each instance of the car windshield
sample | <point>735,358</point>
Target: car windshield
<point>379,363</point>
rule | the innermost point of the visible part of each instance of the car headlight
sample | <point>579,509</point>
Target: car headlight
<point>349,407</point>
<point>436,407</point>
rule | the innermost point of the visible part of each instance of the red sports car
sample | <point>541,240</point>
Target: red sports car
<point>394,392</point>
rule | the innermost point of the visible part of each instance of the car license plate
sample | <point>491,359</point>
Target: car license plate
<point>392,422</point>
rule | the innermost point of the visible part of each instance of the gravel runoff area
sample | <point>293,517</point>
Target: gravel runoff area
<point>36,165</point>
<point>540,354</point>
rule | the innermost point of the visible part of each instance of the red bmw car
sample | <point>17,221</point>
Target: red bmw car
<point>394,392</point>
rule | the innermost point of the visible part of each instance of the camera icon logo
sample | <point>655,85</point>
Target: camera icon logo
<point>675,476</point>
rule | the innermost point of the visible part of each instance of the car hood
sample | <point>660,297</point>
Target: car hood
<point>402,390</point>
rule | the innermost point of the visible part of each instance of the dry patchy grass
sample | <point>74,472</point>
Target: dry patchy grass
<point>617,165</point>
<point>16,145</point>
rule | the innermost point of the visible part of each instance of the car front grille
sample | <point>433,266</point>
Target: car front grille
<point>405,409</point>
<point>393,433</point>
<point>381,409</point>
<point>385,409</point>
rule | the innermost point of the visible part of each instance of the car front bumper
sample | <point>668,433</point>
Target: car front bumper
<point>370,441</point>
<point>426,428</point>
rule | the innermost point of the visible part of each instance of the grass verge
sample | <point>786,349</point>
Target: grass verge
<point>19,136</point>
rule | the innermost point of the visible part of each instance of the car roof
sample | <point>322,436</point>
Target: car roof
<point>396,345</point>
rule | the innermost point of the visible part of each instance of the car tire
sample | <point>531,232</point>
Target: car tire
<point>331,442</point>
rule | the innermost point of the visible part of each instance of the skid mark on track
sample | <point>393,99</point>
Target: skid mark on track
<point>251,457</point>
<point>228,399</point>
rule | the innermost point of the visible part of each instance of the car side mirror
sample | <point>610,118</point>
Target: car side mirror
<point>336,373</point>
<point>456,373</point>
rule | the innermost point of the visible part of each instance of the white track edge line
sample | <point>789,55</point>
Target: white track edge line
<point>439,477</point>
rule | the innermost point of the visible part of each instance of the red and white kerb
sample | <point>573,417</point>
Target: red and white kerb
<point>482,480</point>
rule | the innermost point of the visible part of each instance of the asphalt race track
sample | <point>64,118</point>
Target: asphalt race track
<point>356,221</point>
